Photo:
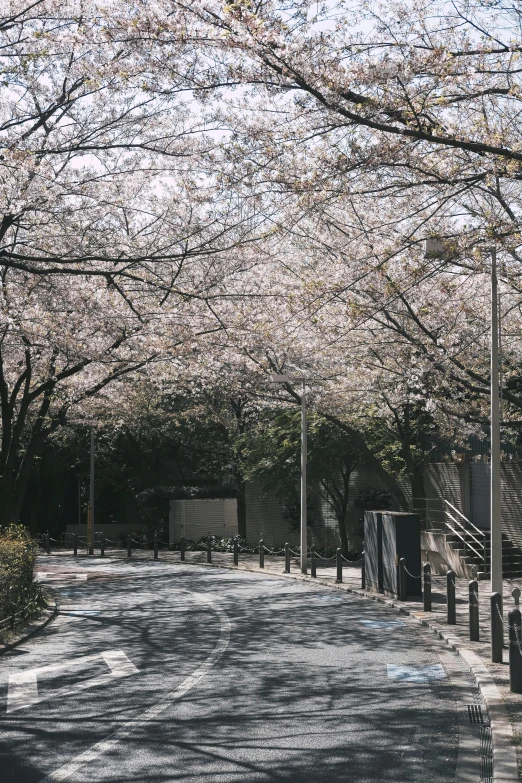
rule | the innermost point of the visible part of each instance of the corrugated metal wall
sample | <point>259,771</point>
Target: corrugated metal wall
<point>195,519</point>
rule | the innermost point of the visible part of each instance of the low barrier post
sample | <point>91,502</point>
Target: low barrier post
<point>90,547</point>
<point>47,544</point>
<point>261,553</point>
<point>403,580</point>
<point>236,552</point>
<point>474,632</point>
<point>75,544</point>
<point>452,607</point>
<point>287,558</point>
<point>515,652</point>
<point>182,548</point>
<point>497,631</point>
<point>339,567</point>
<point>313,566</point>
<point>363,572</point>
<point>426,593</point>
<point>129,546</point>
<point>155,546</point>
<point>102,546</point>
<point>209,549</point>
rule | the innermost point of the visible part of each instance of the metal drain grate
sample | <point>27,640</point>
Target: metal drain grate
<point>475,714</point>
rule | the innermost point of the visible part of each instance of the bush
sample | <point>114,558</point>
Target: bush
<point>17,558</point>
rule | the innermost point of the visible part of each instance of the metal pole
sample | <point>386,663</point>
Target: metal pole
<point>79,501</point>
<point>496,519</point>
<point>287,558</point>
<point>452,606</point>
<point>90,527</point>
<point>261,554</point>
<point>426,593</point>
<point>474,630</point>
<point>304,523</point>
<point>497,631</point>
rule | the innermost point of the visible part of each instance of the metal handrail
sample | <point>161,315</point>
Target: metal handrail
<point>465,531</point>
<point>480,532</point>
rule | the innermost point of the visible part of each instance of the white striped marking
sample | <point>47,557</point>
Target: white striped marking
<point>23,686</point>
<point>99,748</point>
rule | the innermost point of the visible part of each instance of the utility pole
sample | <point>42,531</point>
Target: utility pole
<point>304,521</point>
<point>496,510</point>
<point>90,518</point>
<point>286,379</point>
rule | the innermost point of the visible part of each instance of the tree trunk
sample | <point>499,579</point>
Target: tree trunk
<point>418,492</point>
<point>8,513</point>
<point>241,508</point>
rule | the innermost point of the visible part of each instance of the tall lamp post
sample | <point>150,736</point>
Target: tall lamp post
<point>90,515</point>
<point>304,522</point>
<point>496,509</point>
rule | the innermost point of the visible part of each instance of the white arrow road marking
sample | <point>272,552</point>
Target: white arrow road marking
<point>23,686</point>
<point>99,748</point>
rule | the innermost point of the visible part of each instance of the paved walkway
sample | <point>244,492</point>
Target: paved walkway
<point>352,581</point>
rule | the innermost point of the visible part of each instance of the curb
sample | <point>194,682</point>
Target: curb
<point>505,766</point>
<point>33,628</point>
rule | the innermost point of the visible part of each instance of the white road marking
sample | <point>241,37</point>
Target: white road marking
<point>416,673</point>
<point>382,623</point>
<point>45,576</point>
<point>99,748</point>
<point>23,686</point>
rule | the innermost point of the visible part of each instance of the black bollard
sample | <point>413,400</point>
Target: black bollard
<point>47,544</point>
<point>209,549</point>
<point>474,632</point>
<point>75,544</point>
<point>261,554</point>
<point>287,558</point>
<point>155,546</point>
<point>182,548</point>
<point>403,580</point>
<point>236,551</point>
<point>363,572</point>
<point>313,566</point>
<point>90,548</point>
<point>515,651</point>
<point>452,607</point>
<point>497,628</point>
<point>102,546</point>
<point>129,546</point>
<point>339,567</point>
<point>426,593</point>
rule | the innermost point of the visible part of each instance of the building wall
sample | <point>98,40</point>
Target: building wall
<point>264,519</point>
<point>195,519</point>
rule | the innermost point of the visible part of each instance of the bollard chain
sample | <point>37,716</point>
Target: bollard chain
<point>412,575</point>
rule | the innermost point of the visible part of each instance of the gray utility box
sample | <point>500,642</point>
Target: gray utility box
<point>401,538</point>
<point>373,551</point>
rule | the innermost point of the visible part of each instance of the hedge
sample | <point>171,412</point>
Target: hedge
<point>18,553</point>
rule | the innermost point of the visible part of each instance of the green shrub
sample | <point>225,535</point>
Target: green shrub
<point>18,553</point>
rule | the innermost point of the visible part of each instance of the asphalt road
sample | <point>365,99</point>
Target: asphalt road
<point>154,673</point>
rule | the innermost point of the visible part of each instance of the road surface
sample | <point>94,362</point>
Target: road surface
<point>153,673</point>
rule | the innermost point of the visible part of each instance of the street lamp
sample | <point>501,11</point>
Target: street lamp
<point>275,378</point>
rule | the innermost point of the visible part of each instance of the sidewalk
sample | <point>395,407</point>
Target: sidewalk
<point>352,582</point>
